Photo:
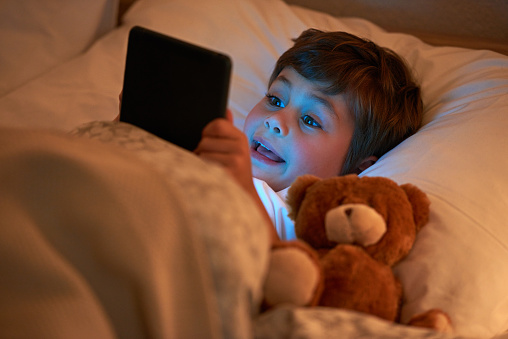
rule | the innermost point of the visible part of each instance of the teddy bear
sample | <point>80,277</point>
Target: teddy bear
<point>351,231</point>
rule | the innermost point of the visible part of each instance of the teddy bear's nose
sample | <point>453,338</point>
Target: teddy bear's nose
<point>348,211</point>
<point>354,224</point>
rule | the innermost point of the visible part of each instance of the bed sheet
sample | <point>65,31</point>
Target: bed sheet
<point>458,158</point>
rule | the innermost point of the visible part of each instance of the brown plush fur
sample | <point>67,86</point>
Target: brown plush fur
<point>355,281</point>
<point>291,275</point>
<point>360,277</point>
<point>310,198</point>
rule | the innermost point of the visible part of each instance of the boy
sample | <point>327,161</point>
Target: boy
<point>335,104</point>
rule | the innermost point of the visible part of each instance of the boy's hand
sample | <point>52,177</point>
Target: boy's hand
<point>226,145</point>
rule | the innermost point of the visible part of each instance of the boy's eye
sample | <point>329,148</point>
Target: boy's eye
<point>274,101</point>
<point>308,120</point>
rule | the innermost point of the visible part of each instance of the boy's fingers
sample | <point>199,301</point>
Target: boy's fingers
<point>222,128</point>
<point>221,159</point>
<point>229,115</point>
<point>217,157</point>
<point>234,165</point>
<point>230,147</point>
<point>216,146</point>
<point>120,100</point>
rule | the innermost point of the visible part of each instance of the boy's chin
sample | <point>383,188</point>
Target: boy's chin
<point>272,176</point>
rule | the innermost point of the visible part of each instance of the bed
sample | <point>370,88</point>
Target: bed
<point>82,257</point>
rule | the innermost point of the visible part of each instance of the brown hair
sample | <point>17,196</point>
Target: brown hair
<point>378,87</point>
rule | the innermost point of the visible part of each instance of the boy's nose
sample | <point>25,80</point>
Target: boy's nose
<point>275,124</point>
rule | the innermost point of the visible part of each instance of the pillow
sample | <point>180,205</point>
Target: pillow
<point>460,160</point>
<point>459,157</point>
<point>38,35</point>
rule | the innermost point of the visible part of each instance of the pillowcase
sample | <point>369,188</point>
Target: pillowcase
<point>38,35</point>
<point>458,158</point>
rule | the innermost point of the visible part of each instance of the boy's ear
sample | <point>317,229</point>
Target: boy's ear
<point>366,163</point>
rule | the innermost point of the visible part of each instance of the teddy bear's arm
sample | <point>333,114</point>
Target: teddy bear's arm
<point>420,203</point>
<point>294,275</point>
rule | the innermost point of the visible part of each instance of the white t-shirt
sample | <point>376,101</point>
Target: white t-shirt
<point>275,205</point>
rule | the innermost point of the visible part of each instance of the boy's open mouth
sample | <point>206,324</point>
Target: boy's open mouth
<point>266,152</point>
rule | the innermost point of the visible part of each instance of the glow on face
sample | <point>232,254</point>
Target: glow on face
<point>297,129</point>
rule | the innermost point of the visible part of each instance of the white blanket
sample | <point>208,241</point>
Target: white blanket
<point>96,242</point>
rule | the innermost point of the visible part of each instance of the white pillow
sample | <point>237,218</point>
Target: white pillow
<point>37,35</point>
<point>459,157</point>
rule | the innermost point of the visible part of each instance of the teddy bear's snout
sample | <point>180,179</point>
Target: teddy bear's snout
<point>354,224</point>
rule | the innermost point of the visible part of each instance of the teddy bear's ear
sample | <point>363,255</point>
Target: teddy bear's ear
<point>420,203</point>
<point>296,193</point>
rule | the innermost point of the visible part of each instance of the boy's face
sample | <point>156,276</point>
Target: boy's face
<point>297,129</point>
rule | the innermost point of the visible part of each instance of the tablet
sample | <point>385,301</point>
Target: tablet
<point>173,88</point>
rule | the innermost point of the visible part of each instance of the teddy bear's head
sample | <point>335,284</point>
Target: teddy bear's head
<point>372,212</point>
